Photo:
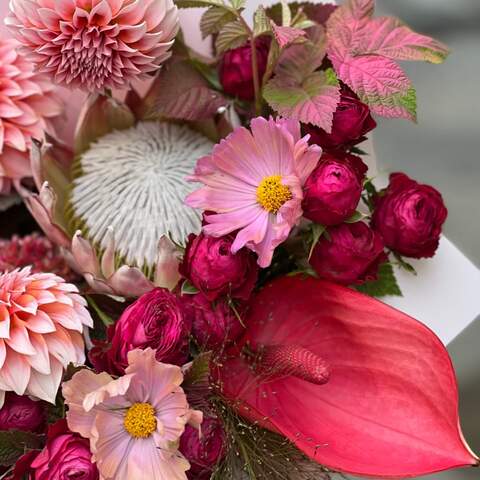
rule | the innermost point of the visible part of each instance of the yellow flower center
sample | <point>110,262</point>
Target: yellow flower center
<point>271,194</point>
<point>140,421</point>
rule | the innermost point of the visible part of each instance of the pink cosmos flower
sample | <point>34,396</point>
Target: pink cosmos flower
<point>26,106</point>
<point>42,319</point>
<point>134,423</point>
<point>95,44</point>
<point>253,182</point>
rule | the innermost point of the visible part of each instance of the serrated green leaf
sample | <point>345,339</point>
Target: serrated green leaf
<point>385,285</point>
<point>231,36</point>
<point>214,19</point>
<point>14,443</point>
<point>261,23</point>
<point>199,3</point>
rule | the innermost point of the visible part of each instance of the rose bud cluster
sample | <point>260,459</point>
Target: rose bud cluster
<point>22,413</point>
<point>333,190</point>
<point>351,122</point>
<point>236,72</point>
<point>65,455</point>
<point>410,216</point>
<point>214,325</point>
<point>349,254</point>
<point>155,320</point>
<point>203,451</point>
<point>212,268</point>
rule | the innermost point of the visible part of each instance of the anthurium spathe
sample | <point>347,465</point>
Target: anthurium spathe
<point>358,386</point>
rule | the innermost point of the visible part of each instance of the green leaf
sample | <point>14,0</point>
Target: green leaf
<point>286,14</point>
<point>386,284</point>
<point>232,35</point>
<point>199,3</point>
<point>106,319</point>
<point>214,19</point>
<point>404,265</point>
<point>261,23</point>
<point>356,217</point>
<point>317,232</point>
<point>189,289</point>
<point>14,443</point>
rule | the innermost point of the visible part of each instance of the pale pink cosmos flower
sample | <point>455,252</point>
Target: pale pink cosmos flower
<point>27,104</point>
<point>95,44</point>
<point>253,181</point>
<point>42,320</point>
<point>134,423</point>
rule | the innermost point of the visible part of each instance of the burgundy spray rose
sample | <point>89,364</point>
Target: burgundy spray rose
<point>236,73</point>
<point>334,189</point>
<point>155,320</point>
<point>410,216</point>
<point>350,254</point>
<point>21,413</point>
<point>205,451</point>
<point>214,325</point>
<point>66,455</point>
<point>351,122</point>
<point>211,267</point>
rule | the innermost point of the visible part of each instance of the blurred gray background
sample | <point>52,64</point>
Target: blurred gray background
<point>444,150</point>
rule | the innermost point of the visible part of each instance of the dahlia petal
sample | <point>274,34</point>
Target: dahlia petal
<point>25,303</point>
<point>15,372</point>
<point>65,8</point>
<point>19,339</point>
<point>3,353</point>
<point>64,315</point>
<point>49,18</point>
<point>133,33</point>
<point>4,322</point>
<point>101,14</point>
<point>45,387</point>
<point>40,361</point>
<point>60,345</point>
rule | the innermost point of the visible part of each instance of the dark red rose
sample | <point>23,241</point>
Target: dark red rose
<point>214,325</point>
<point>236,73</point>
<point>410,216</point>
<point>211,267</point>
<point>351,122</point>
<point>350,254</point>
<point>155,320</point>
<point>21,413</point>
<point>66,455</point>
<point>334,189</point>
<point>205,451</point>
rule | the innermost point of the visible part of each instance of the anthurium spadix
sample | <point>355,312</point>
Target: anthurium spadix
<point>357,385</point>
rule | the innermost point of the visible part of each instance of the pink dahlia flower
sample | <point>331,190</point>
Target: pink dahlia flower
<point>26,105</point>
<point>134,423</point>
<point>42,320</point>
<point>95,44</point>
<point>253,181</point>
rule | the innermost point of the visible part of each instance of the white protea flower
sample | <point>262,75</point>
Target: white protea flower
<point>133,182</point>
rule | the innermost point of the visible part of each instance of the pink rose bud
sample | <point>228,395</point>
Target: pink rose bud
<point>334,189</point>
<point>213,325</point>
<point>351,122</point>
<point>155,320</point>
<point>210,266</point>
<point>205,451</point>
<point>21,413</point>
<point>66,455</point>
<point>349,254</point>
<point>236,73</point>
<point>410,216</point>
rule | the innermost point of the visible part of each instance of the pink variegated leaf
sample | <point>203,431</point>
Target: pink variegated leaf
<point>286,35</point>
<point>313,100</point>
<point>362,50</point>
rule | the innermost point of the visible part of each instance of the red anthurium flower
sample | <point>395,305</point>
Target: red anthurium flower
<point>358,386</point>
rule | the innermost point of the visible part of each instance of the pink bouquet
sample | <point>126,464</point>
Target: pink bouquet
<point>201,303</point>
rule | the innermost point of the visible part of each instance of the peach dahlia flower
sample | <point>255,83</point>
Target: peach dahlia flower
<point>134,423</point>
<point>26,105</point>
<point>95,44</point>
<point>42,320</point>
